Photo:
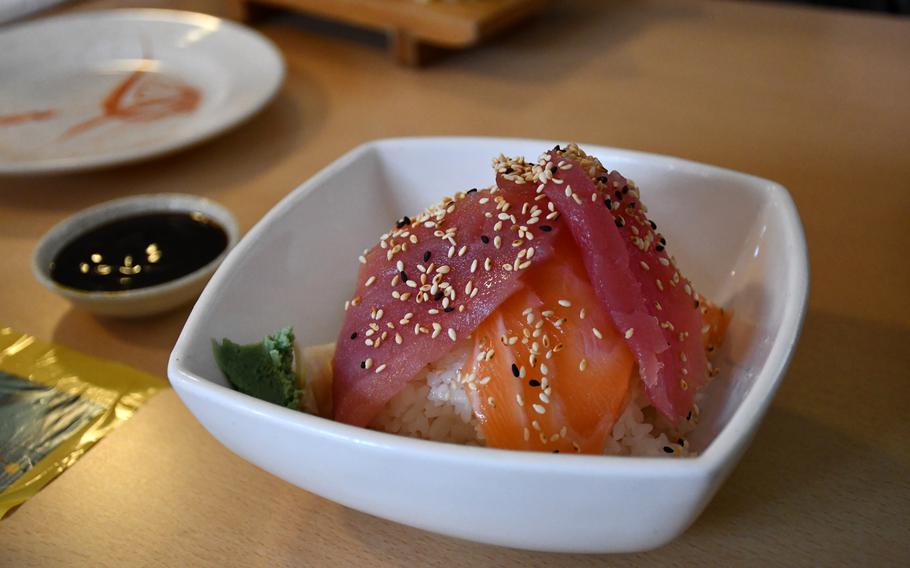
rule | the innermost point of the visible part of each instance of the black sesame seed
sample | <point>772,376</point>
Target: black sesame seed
<point>426,256</point>
<point>485,239</point>
<point>472,190</point>
<point>534,383</point>
<point>553,170</point>
<point>515,369</point>
<point>618,195</point>
<point>603,179</point>
<point>354,335</point>
<point>557,148</point>
<point>663,241</point>
<point>449,309</point>
<point>403,221</point>
<point>509,170</point>
<point>404,276</point>
<point>653,225</point>
<point>689,416</point>
<point>659,248</point>
<point>625,189</point>
<point>546,228</point>
<point>608,203</point>
<point>439,295</point>
<point>697,303</point>
<point>619,222</point>
<point>668,449</point>
<point>681,442</point>
<point>363,364</point>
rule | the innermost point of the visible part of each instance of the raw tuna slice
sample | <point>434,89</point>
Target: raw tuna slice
<point>428,284</point>
<point>651,304</point>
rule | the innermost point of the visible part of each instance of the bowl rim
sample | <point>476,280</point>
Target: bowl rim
<point>94,216</point>
<point>733,437</point>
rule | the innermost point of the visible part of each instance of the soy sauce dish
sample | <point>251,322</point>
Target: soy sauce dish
<point>135,256</point>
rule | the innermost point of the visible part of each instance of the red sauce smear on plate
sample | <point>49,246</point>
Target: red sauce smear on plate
<point>31,116</point>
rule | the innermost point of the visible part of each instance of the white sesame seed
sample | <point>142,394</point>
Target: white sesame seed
<point>583,364</point>
<point>452,335</point>
<point>399,265</point>
<point>544,369</point>
<point>539,408</point>
<point>565,303</point>
<point>644,265</point>
<point>630,332</point>
<point>543,397</point>
<point>581,314</point>
<point>597,333</point>
<point>519,400</point>
<point>443,269</point>
<point>368,363</point>
<point>497,241</point>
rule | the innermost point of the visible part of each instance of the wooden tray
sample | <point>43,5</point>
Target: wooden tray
<point>415,27</point>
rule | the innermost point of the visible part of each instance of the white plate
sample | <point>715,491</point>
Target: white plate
<point>737,236</point>
<point>95,89</point>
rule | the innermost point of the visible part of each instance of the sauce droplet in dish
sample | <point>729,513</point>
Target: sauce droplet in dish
<point>139,251</point>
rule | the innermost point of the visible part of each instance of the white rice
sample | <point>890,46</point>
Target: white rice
<point>434,406</point>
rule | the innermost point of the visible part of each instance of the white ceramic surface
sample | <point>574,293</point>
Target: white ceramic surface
<point>94,89</point>
<point>141,301</point>
<point>738,237</point>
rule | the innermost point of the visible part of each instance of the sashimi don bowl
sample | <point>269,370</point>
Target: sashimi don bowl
<point>739,238</point>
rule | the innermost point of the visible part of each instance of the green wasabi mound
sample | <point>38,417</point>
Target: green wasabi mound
<point>264,369</point>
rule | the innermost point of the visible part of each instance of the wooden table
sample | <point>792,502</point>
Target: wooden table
<point>817,100</point>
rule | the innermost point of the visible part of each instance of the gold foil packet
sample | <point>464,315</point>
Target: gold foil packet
<point>55,404</point>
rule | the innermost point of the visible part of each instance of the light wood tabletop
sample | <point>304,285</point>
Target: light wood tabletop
<point>815,99</point>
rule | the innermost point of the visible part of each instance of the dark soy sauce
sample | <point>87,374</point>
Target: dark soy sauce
<point>139,251</point>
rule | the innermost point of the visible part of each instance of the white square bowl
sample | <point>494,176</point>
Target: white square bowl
<point>737,237</point>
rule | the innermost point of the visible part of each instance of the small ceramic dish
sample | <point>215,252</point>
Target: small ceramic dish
<point>738,238</point>
<point>140,301</point>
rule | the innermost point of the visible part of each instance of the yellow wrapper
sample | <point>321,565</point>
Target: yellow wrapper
<point>55,403</point>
